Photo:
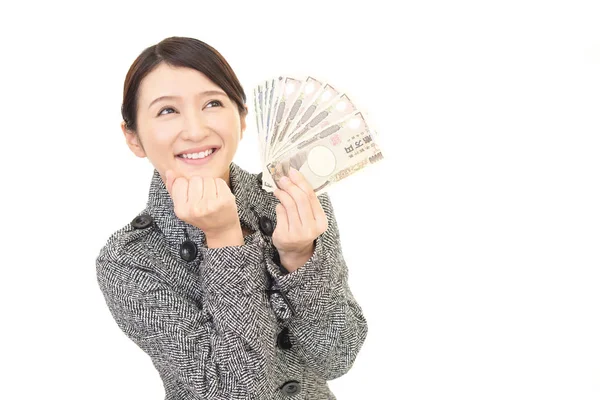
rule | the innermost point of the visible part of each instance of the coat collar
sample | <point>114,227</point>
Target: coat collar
<point>249,197</point>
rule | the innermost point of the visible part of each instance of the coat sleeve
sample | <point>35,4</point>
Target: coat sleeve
<point>216,350</point>
<point>325,320</point>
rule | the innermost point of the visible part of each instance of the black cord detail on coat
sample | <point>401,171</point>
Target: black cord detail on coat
<point>284,297</point>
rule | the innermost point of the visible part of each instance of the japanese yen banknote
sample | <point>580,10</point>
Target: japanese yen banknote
<point>308,125</point>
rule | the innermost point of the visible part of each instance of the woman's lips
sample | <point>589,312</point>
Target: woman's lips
<point>198,161</point>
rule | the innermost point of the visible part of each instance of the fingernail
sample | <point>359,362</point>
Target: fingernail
<point>284,180</point>
<point>293,172</point>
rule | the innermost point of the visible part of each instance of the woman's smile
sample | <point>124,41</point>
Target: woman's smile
<point>197,157</point>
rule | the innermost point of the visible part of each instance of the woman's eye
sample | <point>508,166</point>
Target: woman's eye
<point>216,102</point>
<point>161,112</point>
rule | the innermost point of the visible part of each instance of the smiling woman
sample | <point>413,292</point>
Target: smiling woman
<point>177,94</point>
<point>232,291</point>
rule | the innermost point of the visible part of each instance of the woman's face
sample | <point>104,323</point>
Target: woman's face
<point>182,118</point>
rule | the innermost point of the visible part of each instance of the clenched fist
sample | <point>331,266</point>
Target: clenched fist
<point>208,204</point>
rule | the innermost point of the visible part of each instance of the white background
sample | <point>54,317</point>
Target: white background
<point>473,248</point>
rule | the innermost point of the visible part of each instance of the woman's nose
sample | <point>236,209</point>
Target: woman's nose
<point>195,127</point>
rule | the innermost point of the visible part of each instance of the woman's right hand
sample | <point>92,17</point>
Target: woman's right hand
<point>208,204</point>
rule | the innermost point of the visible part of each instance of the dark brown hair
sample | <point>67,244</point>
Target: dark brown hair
<point>179,52</point>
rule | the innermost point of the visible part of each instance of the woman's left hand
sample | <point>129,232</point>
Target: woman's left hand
<point>300,220</point>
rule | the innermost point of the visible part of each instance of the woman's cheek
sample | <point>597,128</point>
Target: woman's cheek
<point>167,133</point>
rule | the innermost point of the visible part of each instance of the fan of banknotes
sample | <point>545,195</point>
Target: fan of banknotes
<point>308,125</point>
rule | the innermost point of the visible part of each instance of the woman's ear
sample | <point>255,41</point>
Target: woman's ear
<point>243,121</point>
<point>133,141</point>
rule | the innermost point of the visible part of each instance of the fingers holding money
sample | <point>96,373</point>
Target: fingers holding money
<point>315,205</point>
<point>300,220</point>
<point>305,216</point>
<point>293,221</point>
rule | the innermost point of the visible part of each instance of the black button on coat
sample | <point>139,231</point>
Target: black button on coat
<point>224,309</point>
<point>290,388</point>
<point>266,225</point>
<point>283,339</point>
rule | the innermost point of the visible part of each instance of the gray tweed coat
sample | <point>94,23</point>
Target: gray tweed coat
<point>231,323</point>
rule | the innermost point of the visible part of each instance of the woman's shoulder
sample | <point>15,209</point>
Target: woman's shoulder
<point>120,242</point>
<point>124,260</point>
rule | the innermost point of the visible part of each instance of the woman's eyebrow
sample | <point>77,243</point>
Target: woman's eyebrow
<point>205,93</point>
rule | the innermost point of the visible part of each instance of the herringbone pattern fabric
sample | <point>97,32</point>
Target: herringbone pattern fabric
<point>210,326</point>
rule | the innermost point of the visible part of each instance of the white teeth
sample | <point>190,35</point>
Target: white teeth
<point>195,156</point>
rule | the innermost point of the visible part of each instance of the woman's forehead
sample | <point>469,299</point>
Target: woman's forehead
<point>167,80</point>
